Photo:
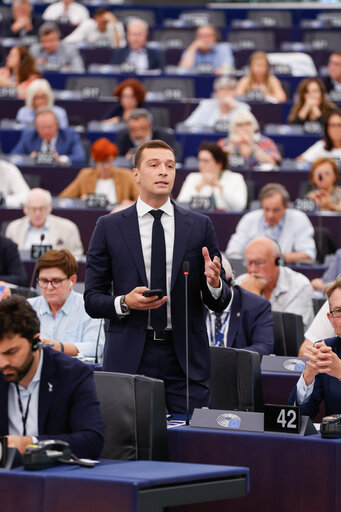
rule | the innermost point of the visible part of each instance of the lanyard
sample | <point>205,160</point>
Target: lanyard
<point>219,337</point>
<point>23,416</point>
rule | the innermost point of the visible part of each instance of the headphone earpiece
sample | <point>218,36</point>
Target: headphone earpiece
<point>70,284</point>
<point>35,344</point>
<point>278,261</point>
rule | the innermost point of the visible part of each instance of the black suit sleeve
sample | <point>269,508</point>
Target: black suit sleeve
<point>11,267</point>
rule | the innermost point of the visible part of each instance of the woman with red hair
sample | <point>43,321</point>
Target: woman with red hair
<point>116,183</point>
<point>131,95</point>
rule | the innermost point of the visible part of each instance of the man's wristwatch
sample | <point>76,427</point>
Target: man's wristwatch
<point>123,305</point>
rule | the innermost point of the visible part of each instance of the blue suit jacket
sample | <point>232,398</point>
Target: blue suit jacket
<point>155,57</point>
<point>70,411</point>
<point>115,255</point>
<point>68,143</point>
<point>326,388</point>
<point>251,323</point>
<point>11,268</point>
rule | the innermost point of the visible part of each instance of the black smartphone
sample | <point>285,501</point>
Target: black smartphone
<point>151,293</point>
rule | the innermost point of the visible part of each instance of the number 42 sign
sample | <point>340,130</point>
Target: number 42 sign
<point>282,418</point>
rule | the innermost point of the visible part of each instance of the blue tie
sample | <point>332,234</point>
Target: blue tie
<point>218,325</point>
<point>158,317</point>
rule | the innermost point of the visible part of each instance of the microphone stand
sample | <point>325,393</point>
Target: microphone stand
<point>186,273</point>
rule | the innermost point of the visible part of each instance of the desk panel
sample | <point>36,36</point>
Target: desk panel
<point>287,473</point>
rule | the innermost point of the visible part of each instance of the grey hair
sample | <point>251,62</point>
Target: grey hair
<point>39,85</point>
<point>137,113</point>
<point>224,81</point>
<point>242,116</point>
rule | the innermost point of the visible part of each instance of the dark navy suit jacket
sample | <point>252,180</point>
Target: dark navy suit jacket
<point>155,57</point>
<point>115,255</point>
<point>68,406</point>
<point>251,323</point>
<point>326,388</point>
<point>68,143</point>
<point>11,268</point>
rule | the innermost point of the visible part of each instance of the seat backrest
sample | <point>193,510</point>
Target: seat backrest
<point>279,336</point>
<point>207,17</point>
<point>134,416</point>
<point>178,39</point>
<point>293,332</point>
<point>126,15</point>
<point>318,303</point>
<point>253,39</point>
<point>323,39</point>
<point>223,381</point>
<point>250,381</point>
<point>90,85</point>
<point>271,18</point>
<point>172,88</point>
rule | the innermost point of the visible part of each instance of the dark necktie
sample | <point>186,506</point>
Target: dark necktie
<point>158,317</point>
<point>218,325</point>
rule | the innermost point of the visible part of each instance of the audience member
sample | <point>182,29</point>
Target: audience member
<point>226,188</point>
<point>140,129</point>
<point>19,71</point>
<point>333,80</point>
<point>11,268</point>
<point>333,270</point>
<point>330,145</point>
<point>39,224</point>
<point>289,227</point>
<point>311,102</point>
<point>56,391</point>
<point>13,187</point>
<point>66,11</point>
<point>64,323</point>
<point>131,95</point>
<point>288,291</point>
<point>319,329</point>
<point>245,323</point>
<point>261,80</point>
<point>206,51</point>
<point>63,145</point>
<point>53,54</point>
<point>23,22</point>
<point>319,381</point>
<point>137,53</point>
<point>118,185</point>
<point>39,94</point>
<point>103,30</point>
<point>212,111</point>
<point>324,175</point>
<point>246,142</point>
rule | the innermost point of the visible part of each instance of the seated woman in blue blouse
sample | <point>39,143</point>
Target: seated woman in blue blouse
<point>321,379</point>
<point>39,94</point>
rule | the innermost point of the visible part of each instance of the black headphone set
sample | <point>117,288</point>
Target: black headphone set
<point>35,344</point>
<point>278,261</point>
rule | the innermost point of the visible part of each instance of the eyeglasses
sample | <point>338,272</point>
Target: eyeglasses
<point>258,263</point>
<point>336,313</point>
<point>56,282</point>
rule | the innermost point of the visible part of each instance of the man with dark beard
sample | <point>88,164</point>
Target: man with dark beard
<point>44,394</point>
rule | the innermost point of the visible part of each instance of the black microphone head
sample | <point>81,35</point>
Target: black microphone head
<point>185,267</point>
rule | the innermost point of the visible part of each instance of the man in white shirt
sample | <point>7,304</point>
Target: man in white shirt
<point>40,226</point>
<point>286,290</point>
<point>103,30</point>
<point>291,228</point>
<point>66,11</point>
<point>13,186</point>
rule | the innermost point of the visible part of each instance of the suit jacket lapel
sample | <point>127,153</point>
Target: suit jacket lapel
<point>131,234</point>
<point>47,388</point>
<point>182,226</point>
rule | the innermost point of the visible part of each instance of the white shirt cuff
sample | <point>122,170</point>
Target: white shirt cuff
<point>303,391</point>
<point>118,307</point>
<point>215,292</point>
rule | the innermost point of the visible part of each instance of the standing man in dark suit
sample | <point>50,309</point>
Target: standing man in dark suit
<point>44,394</point>
<point>147,334</point>
<point>140,129</point>
<point>63,145</point>
<point>137,54</point>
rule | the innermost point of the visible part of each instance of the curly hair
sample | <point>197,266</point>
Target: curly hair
<point>18,317</point>
<point>102,149</point>
<point>139,90</point>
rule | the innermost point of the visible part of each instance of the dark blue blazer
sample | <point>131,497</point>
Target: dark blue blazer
<point>155,57</point>
<point>251,323</point>
<point>326,388</point>
<point>68,406</point>
<point>68,143</point>
<point>115,255</point>
<point>11,268</point>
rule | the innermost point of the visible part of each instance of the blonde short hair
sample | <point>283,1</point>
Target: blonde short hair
<point>39,85</point>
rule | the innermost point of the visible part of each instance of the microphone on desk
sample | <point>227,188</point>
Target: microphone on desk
<point>42,238</point>
<point>185,269</point>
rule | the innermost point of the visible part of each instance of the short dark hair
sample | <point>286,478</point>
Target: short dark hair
<point>155,143</point>
<point>99,11</point>
<point>216,151</point>
<point>62,259</point>
<point>18,317</point>
<point>270,189</point>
